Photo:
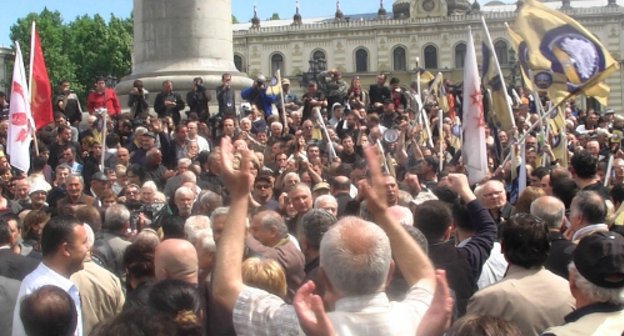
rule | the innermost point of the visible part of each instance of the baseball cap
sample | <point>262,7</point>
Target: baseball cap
<point>150,134</point>
<point>321,186</point>
<point>599,258</point>
<point>285,81</point>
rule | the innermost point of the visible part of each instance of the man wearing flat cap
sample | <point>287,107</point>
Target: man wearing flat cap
<point>597,284</point>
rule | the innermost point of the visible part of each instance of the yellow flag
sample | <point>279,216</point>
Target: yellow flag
<point>499,106</point>
<point>520,47</point>
<point>274,87</point>
<point>439,92</point>
<point>566,58</point>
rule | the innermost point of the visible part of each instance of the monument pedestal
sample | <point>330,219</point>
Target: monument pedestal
<point>181,40</point>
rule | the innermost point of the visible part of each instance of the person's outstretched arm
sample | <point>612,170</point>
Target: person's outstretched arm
<point>227,278</point>
<point>411,259</point>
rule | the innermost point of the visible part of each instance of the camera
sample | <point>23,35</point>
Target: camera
<point>200,88</point>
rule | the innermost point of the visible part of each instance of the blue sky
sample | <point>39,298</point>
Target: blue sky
<point>242,9</point>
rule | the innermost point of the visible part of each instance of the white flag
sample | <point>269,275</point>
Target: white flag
<point>19,134</point>
<point>473,149</point>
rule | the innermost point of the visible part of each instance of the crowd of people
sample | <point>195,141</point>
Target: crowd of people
<point>344,211</point>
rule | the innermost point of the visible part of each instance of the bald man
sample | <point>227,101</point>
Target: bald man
<point>552,211</point>
<point>176,259</point>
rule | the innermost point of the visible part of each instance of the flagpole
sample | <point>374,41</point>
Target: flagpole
<point>424,119</point>
<point>441,135</point>
<point>500,73</point>
<point>30,77</point>
<point>284,120</point>
<point>104,114</point>
<point>332,151</point>
<point>552,108</point>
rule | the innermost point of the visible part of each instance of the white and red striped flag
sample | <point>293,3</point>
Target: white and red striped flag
<point>473,149</point>
<point>19,133</point>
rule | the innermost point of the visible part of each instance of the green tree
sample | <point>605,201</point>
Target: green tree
<point>52,33</point>
<point>81,50</point>
<point>234,19</point>
<point>275,16</point>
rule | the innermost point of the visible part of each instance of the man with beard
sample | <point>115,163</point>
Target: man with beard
<point>75,196</point>
<point>64,246</point>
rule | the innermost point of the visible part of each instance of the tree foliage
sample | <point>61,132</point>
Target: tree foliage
<point>275,16</point>
<point>234,19</point>
<point>79,50</point>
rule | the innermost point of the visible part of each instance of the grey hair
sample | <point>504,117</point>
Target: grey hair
<point>593,292</point>
<point>194,225</point>
<point>219,212</point>
<point>326,197</point>
<point>270,219</point>
<point>150,185</point>
<point>188,176</point>
<point>350,270</point>
<point>185,161</point>
<point>116,216</point>
<point>76,176</point>
<point>550,209</point>
<point>205,241</point>
<point>183,190</point>
<point>314,224</point>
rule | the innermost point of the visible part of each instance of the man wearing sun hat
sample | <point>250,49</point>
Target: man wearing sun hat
<point>597,284</point>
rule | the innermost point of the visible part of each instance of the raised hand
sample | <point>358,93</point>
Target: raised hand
<point>238,181</point>
<point>311,313</point>
<point>375,192</point>
<point>438,317</point>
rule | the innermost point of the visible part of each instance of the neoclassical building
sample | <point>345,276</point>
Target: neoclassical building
<point>432,32</point>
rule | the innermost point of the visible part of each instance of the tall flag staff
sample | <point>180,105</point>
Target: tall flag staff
<point>40,93</point>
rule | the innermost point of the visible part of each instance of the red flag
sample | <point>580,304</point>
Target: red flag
<point>41,92</point>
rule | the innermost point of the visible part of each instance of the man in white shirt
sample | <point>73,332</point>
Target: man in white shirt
<point>192,135</point>
<point>355,263</point>
<point>64,247</point>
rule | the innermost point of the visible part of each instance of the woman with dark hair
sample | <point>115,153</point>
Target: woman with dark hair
<point>138,263</point>
<point>180,301</point>
<point>32,228</point>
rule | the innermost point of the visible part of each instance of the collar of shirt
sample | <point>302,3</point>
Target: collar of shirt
<point>519,272</point>
<point>587,229</point>
<point>59,280</point>
<point>600,307</point>
<point>363,302</point>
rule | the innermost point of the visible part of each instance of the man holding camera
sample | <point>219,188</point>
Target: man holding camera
<point>335,86</point>
<point>67,102</point>
<point>197,100</point>
<point>256,94</point>
<point>137,100</point>
<point>169,103</point>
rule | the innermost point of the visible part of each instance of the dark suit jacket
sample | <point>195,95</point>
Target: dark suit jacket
<point>288,256</point>
<point>463,264</point>
<point>560,254</point>
<point>16,266</point>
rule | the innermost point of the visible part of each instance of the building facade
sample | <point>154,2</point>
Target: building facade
<point>428,33</point>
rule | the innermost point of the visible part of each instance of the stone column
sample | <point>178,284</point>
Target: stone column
<point>180,40</point>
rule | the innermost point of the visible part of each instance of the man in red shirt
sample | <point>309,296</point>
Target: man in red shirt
<point>103,97</point>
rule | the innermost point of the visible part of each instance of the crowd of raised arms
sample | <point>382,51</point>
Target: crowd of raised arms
<point>346,210</point>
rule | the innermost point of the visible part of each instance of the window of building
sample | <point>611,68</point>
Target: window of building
<point>238,62</point>
<point>361,60</point>
<point>319,54</point>
<point>277,62</point>
<point>431,57</point>
<point>500,47</point>
<point>399,61</point>
<point>460,55</point>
